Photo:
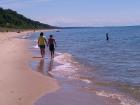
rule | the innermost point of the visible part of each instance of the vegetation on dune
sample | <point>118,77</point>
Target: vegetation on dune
<point>11,19</point>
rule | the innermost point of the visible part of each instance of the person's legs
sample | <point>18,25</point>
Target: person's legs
<point>43,52</point>
<point>40,51</point>
<point>53,53</point>
<point>51,48</point>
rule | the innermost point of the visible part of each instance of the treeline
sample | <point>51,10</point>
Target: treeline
<point>11,19</point>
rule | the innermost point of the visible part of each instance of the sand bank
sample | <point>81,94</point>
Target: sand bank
<point>18,84</point>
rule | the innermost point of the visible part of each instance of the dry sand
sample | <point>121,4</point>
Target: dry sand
<point>18,84</point>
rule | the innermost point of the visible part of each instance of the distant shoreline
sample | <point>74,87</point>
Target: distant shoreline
<point>3,29</point>
<point>99,27</point>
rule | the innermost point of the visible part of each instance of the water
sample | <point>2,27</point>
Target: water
<point>113,66</point>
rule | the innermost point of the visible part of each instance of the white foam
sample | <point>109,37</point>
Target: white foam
<point>26,36</point>
<point>86,80</point>
<point>66,68</point>
<point>36,46</point>
<point>124,100</point>
<point>63,58</point>
<point>58,53</point>
<point>36,43</point>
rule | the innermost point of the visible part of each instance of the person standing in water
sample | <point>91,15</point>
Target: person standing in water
<point>41,43</point>
<point>107,37</point>
<point>52,45</point>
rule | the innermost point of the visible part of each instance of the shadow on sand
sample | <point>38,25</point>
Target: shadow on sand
<point>37,57</point>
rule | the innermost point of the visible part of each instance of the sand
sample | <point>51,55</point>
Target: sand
<point>18,84</point>
<point>75,97</point>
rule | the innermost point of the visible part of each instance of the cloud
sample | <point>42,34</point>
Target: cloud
<point>86,21</point>
<point>66,21</point>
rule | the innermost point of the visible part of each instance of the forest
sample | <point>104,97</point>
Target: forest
<point>11,19</point>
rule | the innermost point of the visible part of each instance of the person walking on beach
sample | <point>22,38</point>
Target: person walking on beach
<point>52,45</point>
<point>41,43</point>
<point>107,37</point>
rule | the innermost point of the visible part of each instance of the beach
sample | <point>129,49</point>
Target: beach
<point>18,84</point>
<point>69,56</point>
<point>21,86</point>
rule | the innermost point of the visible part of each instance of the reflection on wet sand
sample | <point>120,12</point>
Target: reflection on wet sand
<point>50,65</point>
<point>45,67</point>
<point>40,67</point>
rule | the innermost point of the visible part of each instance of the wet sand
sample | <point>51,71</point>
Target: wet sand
<point>68,94</point>
<point>74,97</point>
<point>18,84</point>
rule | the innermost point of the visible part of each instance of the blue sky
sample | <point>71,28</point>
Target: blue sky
<point>78,12</point>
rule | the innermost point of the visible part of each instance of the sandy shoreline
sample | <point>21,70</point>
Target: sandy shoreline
<point>18,84</point>
<point>21,86</point>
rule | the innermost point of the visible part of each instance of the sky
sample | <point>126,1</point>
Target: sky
<point>78,12</point>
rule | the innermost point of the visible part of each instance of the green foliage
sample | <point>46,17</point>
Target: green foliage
<point>11,19</point>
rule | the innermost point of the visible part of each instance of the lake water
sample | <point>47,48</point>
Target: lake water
<point>112,67</point>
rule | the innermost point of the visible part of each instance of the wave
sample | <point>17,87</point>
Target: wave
<point>123,98</point>
<point>65,67</point>
<point>68,68</point>
<point>36,46</point>
<point>28,35</point>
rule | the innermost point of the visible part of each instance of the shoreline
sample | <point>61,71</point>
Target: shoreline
<point>68,94</point>
<point>66,69</point>
<point>23,86</point>
<point>20,85</point>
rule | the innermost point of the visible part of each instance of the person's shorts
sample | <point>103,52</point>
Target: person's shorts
<point>51,47</point>
<point>42,46</point>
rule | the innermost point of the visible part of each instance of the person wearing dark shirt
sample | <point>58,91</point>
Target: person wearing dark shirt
<point>107,37</point>
<point>52,45</point>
